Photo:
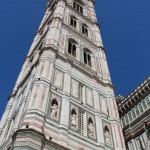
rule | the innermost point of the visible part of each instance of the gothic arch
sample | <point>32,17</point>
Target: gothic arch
<point>106,128</point>
<point>54,101</point>
<point>72,40</point>
<point>73,111</point>
<point>90,120</point>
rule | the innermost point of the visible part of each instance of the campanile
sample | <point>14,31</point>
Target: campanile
<point>63,98</point>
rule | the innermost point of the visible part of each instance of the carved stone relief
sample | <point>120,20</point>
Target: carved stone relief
<point>107,134</point>
<point>91,126</point>
<point>74,117</point>
<point>55,107</point>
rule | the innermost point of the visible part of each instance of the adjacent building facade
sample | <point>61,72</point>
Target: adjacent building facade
<point>63,98</point>
<point>134,112</point>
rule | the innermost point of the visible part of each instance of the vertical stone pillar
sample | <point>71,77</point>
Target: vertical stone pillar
<point>96,100</point>
<point>104,66</point>
<point>118,137</point>
<point>5,116</point>
<point>3,135</point>
<point>53,35</point>
<point>99,130</point>
<point>92,11</point>
<point>97,35</point>
<point>20,75</point>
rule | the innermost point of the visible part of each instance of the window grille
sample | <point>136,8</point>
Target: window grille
<point>81,92</point>
<point>81,123</point>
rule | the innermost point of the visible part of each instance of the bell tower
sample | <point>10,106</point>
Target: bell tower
<point>63,98</point>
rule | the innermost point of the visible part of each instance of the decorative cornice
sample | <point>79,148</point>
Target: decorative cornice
<point>134,97</point>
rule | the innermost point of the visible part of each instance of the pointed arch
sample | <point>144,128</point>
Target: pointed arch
<point>90,120</point>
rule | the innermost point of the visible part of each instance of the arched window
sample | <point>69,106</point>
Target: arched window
<point>87,57</point>
<point>78,6</point>
<point>84,29</point>
<point>54,109</point>
<point>73,21</point>
<point>72,47</point>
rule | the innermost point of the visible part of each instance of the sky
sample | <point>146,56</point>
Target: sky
<point>125,29</point>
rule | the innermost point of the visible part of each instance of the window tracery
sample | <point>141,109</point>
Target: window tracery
<point>87,57</point>
<point>73,21</point>
<point>84,29</point>
<point>72,47</point>
<point>78,6</point>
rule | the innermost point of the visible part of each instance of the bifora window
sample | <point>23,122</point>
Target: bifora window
<point>78,7</point>
<point>85,29</point>
<point>73,21</point>
<point>72,48</point>
<point>87,57</point>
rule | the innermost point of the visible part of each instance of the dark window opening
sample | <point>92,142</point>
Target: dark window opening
<point>78,7</point>
<point>31,59</point>
<point>73,22</point>
<point>40,47</point>
<point>72,48</point>
<point>84,29</point>
<point>87,58</point>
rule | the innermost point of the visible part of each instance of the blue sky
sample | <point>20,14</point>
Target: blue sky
<point>125,29</point>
